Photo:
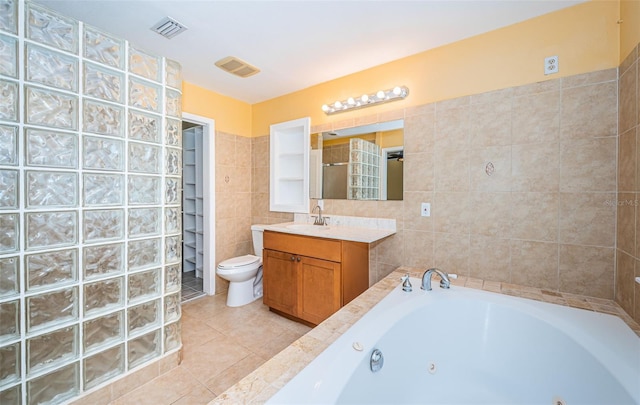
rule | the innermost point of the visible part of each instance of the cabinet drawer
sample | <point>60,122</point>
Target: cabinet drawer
<point>327,249</point>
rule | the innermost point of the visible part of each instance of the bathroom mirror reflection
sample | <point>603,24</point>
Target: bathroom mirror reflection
<point>359,163</point>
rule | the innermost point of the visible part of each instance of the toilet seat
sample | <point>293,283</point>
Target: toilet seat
<point>236,263</point>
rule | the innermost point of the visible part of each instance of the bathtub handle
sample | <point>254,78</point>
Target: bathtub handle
<point>376,361</point>
<point>406,283</point>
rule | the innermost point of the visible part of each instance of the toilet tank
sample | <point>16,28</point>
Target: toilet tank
<point>256,233</point>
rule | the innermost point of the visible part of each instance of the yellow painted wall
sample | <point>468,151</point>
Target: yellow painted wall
<point>585,37</point>
<point>630,26</point>
<point>230,115</point>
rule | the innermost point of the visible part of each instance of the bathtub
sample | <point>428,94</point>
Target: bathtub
<point>466,346</point>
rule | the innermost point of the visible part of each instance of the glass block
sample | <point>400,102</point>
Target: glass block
<point>144,64</point>
<point>144,127</point>
<point>173,72</point>
<point>173,133</point>
<point>172,278</point>
<point>173,103</point>
<point>172,308</point>
<point>54,387</point>
<point>51,229</point>
<point>102,153</point>
<point>52,308</point>
<point>103,83</point>
<point>103,119</point>
<point>103,366</point>
<point>143,316</point>
<point>144,95</point>
<point>51,68</point>
<point>8,55</point>
<point>9,364</point>
<point>52,349</point>
<point>9,276</point>
<point>9,233</point>
<point>172,336</point>
<point>103,295</point>
<point>103,189</point>
<point>9,189</point>
<point>172,192</point>
<point>51,268</point>
<point>143,349</point>
<point>50,28</point>
<point>144,158</point>
<point>103,331</point>
<point>51,189</point>
<point>172,220</point>
<point>143,285</point>
<point>9,16</point>
<point>51,109</point>
<point>51,149</point>
<point>172,249</point>
<point>102,260</point>
<point>9,320</point>
<point>8,100</point>
<point>144,190</point>
<point>11,396</point>
<point>144,253</point>
<point>103,48</point>
<point>173,162</point>
<point>8,145</point>
<point>144,222</point>
<point>103,225</point>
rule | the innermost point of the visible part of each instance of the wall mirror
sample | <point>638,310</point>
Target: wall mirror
<point>359,163</point>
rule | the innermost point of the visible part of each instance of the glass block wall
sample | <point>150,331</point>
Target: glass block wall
<point>90,224</point>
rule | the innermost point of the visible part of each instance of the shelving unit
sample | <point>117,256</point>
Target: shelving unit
<point>192,204</point>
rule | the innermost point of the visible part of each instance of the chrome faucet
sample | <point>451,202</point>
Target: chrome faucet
<point>319,219</point>
<point>426,279</point>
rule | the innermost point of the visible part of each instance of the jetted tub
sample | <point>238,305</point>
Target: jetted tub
<point>466,346</point>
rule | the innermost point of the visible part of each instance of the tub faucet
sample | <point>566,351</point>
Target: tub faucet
<point>319,219</point>
<point>426,279</point>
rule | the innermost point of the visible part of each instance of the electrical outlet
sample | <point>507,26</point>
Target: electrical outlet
<point>426,209</point>
<point>551,65</point>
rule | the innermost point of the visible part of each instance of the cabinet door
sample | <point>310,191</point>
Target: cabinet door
<point>280,285</point>
<point>319,283</point>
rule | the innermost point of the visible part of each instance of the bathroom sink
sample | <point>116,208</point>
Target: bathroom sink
<point>308,227</point>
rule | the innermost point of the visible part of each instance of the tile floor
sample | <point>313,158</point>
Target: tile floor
<point>221,345</point>
<point>191,286</point>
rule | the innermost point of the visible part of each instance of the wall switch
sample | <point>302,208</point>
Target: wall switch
<point>426,209</point>
<point>551,65</point>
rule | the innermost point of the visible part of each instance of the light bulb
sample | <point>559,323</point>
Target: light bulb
<point>337,104</point>
<point>380,94</point>
<point>397,91</point>
<point>325,108</point>
<point>364,98</point>
<point>351,101</point>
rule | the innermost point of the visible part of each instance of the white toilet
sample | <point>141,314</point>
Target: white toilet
<point>244,273</point>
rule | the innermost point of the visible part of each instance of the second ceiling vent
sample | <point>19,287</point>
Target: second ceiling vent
<point>237,66</point>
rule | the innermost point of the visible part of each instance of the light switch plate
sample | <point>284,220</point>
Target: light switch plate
<point>426,209</point>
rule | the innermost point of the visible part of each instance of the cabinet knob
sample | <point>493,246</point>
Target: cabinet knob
<point>293,258</point>
<point>298,259</point>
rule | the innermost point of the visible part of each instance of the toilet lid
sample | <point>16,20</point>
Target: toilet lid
<point>239,261</point>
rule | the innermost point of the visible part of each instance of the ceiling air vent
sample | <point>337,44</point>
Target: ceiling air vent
<point>237,66</point>
<point>168,27</point>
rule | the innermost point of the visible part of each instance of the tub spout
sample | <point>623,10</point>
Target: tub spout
<point>426,279</point>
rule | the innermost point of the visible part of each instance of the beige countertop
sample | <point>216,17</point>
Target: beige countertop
<point>341,232</point>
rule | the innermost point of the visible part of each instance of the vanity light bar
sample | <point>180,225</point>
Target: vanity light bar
<point>367,100</point>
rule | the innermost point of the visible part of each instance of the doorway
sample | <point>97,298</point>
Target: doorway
<point>198,207</point>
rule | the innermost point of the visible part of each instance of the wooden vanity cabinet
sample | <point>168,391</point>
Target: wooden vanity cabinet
<point>310,278</point>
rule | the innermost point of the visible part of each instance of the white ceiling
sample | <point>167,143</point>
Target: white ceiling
<point>296,44</point>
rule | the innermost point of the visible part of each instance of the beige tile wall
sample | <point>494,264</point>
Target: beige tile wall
<point>628,198</point>
<point>545,218</point>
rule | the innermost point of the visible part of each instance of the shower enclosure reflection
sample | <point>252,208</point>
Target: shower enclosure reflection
<point>359,163</point>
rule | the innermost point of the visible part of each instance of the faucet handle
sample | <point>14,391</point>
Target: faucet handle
<point>406,283</point>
